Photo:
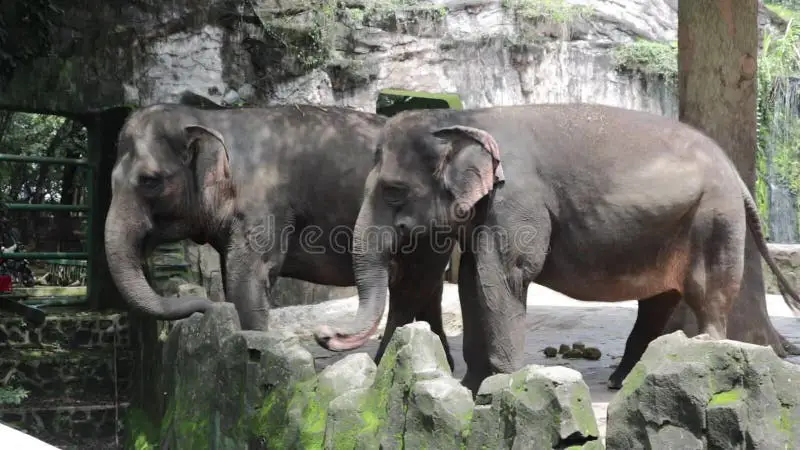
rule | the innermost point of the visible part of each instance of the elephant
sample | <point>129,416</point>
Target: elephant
<point>276,191</point>
<point>596,202</point>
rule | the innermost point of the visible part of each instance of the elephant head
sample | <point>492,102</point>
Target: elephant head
<point>426,179</point>
<point>171,181</point>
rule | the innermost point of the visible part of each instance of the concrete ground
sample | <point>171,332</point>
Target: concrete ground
<point>553,319</point>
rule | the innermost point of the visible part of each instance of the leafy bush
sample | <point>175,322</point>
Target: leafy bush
<point>557,11</point>
<point>12,395</point>
<point>649,58</point>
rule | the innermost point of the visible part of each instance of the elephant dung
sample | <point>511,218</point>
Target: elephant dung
<point>591,353</point>
<point>550,352</point>
<point>699,393</point>
<point>535,407</point>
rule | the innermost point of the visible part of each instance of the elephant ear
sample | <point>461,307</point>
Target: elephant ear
<point>470,167</point>
<point>196,135</point>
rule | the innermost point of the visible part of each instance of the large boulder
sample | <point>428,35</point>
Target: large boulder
<point>537,407</point>
<point>700,393</point>
<point>247,388</point>
<point>787,258</point>
<point>414,400</point>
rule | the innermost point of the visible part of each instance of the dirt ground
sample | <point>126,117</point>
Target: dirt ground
<point>554,319</point>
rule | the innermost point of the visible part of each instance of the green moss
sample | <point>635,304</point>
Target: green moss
<point>726,397</point>
<point>784,425</point>
<point>182,424</point>
<point>634,379</point>
<point>296,406</point>
<point>581,406</point>
<point>313,414</point>
<point>649,58</point>
<point>142,433</point>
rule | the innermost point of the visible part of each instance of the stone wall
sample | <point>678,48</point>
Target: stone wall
<point>263,390</point>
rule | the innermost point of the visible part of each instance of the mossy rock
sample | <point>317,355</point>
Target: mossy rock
<point>693,393</point>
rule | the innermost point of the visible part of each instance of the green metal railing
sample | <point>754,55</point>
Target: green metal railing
<point>54,256</point>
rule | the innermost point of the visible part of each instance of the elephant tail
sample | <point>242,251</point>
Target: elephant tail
<point>754,225</point>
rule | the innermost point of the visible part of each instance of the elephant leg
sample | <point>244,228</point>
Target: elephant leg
<point>223,261</point>
<point>653,313</point>
<point>501,303</point>
<point>420,301</point>
<point>253,265</point>
<point>399,315</point>
<point>713,284</point>
<point>431,312</point>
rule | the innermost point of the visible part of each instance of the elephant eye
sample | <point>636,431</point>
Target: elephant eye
<point>395,195</point>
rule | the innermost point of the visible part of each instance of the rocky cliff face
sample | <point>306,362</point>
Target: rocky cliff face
<point>490,52</point>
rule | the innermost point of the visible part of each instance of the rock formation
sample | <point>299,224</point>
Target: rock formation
<point>698,393</point>
<point>263,389</point>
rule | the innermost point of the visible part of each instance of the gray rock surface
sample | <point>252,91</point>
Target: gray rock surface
<point>787,257</point>
<point>698,393</point>
<point>536,407</point>
<point>352,372</point>
<point>414,354</point>
<point>193,386</point>
<point>439,412</point>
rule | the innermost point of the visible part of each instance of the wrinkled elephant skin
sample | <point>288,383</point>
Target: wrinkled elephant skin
<point>596,202</point>
<point>276,191</point>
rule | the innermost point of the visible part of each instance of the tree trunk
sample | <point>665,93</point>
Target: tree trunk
<point>717,51</point>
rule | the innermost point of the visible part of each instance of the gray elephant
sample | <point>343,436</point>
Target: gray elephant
<point>596,202</point>
<point>276,191</point>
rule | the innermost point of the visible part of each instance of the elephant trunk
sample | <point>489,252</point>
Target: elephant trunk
<point>125,229</point>
<point>371,252</point>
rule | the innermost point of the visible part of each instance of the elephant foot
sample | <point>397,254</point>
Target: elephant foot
<point>615,380</point>
<point>472,382</point>
<point>614,384</point>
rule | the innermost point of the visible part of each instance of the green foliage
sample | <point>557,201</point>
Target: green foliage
<point>783,12</point>
<point>778,124</point>
<point>649,58</point>
<point>41,135</point>
<point>555,11</point>
<point>12,395</point>
<point>37,135</point>
<point>786,9</point>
